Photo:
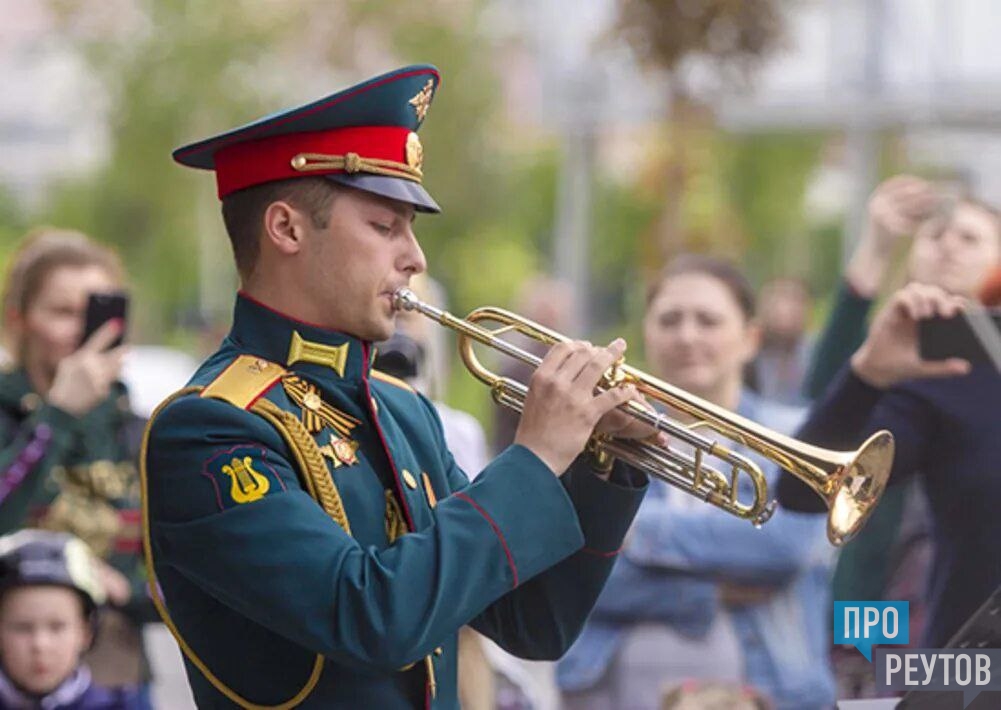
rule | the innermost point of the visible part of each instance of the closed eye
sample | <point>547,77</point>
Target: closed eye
<point>384,229</point>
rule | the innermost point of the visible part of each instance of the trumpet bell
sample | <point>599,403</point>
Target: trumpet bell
<point>857,489</point>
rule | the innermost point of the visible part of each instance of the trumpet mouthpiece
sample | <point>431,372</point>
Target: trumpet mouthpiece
<point>405,300</point>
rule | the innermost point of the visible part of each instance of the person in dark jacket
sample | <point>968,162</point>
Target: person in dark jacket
<point>68,440</point>
<point>943,415</point>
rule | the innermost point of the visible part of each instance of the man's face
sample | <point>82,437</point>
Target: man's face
<point>352,267</point>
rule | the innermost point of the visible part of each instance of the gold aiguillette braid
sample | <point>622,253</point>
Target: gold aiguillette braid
<point>318,480</point>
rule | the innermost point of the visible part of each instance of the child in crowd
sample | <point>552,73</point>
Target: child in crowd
<point>49,596</point>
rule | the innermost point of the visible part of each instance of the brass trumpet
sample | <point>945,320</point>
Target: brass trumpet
<point>849,482</point>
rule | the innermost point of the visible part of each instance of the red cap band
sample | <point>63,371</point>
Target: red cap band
<point>255,162</point>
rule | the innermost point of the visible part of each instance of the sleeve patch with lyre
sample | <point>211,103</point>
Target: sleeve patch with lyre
<point>244,381</point>
<point>240,475</point>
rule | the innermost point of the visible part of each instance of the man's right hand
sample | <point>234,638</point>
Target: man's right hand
<point>561,409</point>
<point>83,379</point>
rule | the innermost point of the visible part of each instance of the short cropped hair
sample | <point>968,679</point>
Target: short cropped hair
<point>243,213</point>
<point>720,269</point>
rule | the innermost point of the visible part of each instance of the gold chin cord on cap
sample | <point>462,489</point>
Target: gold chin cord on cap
<point>353,163</point>
<point>849,482</point>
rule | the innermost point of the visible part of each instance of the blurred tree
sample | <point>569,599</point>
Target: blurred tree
<point>766,177</point>
<point>173,70</point>
<point>733,36</point>
<point>181,69</point>
<point>178,70</point>
<point>13,225</point>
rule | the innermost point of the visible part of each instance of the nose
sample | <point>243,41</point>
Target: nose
<point>413,261</point>
<point>950,241</point>
<point>687,330</point>
<point>38,642</point>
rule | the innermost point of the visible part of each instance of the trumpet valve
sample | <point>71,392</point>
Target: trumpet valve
<point>615,375</point>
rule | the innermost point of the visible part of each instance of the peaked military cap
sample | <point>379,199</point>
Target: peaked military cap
<point>364,136</point>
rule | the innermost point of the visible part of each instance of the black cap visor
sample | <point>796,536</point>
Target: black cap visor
<point>391,187</point>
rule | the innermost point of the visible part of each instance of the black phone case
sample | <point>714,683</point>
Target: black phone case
<point>102,307</point>
<point>942,338</point>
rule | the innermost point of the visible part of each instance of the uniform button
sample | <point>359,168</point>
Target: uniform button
<point>438,651</point>
<point>375,405</point>
<point>409,479</point>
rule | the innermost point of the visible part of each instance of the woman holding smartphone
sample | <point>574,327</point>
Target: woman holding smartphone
<point>68,440</point>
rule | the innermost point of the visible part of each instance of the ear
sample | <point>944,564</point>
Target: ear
<point>87,639</point>
<point>752,340</point>
<point>284,227</point>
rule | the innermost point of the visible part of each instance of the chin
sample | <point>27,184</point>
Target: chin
<point>380,331</point>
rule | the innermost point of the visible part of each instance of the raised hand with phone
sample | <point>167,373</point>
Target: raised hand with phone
<point>84,379</point>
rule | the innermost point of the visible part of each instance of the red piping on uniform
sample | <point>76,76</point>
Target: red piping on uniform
<point>263,392</point>
<point>497,532</point>
<point>600,553</point>
<point>242,136</point>
<point>396,477</point>
<point>382,438</point>
<point>269,309</point>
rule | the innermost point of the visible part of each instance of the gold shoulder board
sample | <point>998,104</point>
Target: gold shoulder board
<point>244,381</point>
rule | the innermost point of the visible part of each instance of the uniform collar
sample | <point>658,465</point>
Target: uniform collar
<point>296,345</point>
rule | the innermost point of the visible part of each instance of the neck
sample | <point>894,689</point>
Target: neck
<point>39,376</point>
<point>779,343</point>
<point>286,301</point>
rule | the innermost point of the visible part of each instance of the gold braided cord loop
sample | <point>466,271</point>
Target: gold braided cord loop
<point>161,607</point>
<point>318,480</point>
<point>354,163</point>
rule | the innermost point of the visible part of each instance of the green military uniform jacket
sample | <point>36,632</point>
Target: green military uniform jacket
<point>78,475</point>
<point>286,603</point>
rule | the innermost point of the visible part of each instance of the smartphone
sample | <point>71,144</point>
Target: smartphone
<point>102,307</point>
<point>973,335</point>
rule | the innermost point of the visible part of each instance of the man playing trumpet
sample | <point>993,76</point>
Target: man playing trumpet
<point>314,541</point>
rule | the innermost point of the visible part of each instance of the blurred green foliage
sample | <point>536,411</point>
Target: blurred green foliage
<point>189,68</point>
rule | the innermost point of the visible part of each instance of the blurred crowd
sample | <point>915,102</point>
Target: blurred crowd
<point>702,610</point>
